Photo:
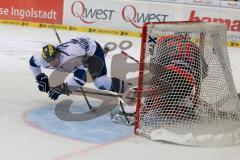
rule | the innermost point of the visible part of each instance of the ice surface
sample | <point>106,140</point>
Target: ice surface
<point>25,136</point>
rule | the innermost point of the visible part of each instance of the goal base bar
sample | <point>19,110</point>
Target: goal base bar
<point>189,139</point>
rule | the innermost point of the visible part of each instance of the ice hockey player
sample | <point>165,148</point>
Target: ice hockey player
<point>177,68</point>
<point>76,56</point>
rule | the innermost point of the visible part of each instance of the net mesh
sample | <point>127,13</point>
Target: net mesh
<point>186,86</point>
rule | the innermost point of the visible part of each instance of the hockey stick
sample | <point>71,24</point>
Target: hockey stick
<point>132,58</point>
<point>56,33</point>
<point>100,93</point>
<point>124,113</point>
<point>127,55</point>
<point>84,95</point>
<point>103,93</point>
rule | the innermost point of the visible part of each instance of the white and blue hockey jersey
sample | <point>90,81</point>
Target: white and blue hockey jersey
<point>72,54</point>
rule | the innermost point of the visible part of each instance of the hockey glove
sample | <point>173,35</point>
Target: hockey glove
<point>55,92</point>
<point>42,81</point>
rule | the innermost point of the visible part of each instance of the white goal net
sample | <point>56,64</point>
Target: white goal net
<point>186,90</point>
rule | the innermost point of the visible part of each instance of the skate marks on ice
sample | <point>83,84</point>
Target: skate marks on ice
<point>99,130</point>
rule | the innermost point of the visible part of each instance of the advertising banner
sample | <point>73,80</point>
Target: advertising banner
<point>117,16</point>
<point>130,16</point>
<point>121,15</point>
<point>43,11</point>
<point>230,17</point>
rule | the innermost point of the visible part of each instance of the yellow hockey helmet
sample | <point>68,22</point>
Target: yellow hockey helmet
<point>49,52</point>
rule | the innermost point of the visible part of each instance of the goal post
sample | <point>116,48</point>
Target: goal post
<point>186,93</point>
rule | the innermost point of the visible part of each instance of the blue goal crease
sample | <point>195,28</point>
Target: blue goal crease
<point>100,130</point>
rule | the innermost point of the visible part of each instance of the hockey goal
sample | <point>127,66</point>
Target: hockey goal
<point>186,90</point>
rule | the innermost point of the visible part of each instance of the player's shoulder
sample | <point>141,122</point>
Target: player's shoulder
<point>38,59</point>
<point>37,56</point>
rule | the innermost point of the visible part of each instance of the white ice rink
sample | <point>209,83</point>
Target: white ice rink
<point>27,120</point>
